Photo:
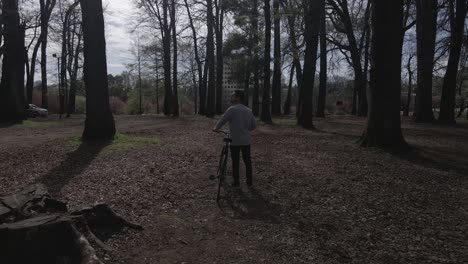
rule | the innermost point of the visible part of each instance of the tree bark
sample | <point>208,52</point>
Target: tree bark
<point>46,10</point>
<point>312,16</point>
<point>73,72</point>
<point>70,57</point>
<point>287,102</point>
<point>99,123</point>
<point>322,96</point>
<point>210,57</point>
<point>384,124</point>
<point>175,98</point>
<point>426,30</point>
<point>410,87</point>
<point>197,60</point>
<point>346,27</point>
<point>219,28</point>
<point>256,61</point>
<point>457,24</point>
<point>295,53</point>
<point>31,72</point>
<point>168,95</point>
<point>276,91</point>
<point>12,101</point>
<point>266,111</point>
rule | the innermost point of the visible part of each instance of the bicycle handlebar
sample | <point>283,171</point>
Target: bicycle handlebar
<point>223,132</point>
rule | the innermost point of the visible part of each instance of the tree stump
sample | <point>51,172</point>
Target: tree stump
<point>38,229</point>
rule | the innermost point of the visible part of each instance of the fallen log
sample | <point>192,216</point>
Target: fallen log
<point>35,228</point>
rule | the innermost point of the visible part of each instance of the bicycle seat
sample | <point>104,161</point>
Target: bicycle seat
<point>228,140</point>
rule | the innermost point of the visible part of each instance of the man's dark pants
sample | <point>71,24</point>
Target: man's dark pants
<point>235,154</point>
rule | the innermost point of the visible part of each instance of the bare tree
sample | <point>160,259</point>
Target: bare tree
<point>201,88</point>
<point>175,86</point>
<point>256,60</point>
<point>342,19</point>
<point>426,28</point>
<point>12,100</point>
<point>457,14</point>
<point>46,10</point>
<point>210,61</point>
<point>384,121</point>
<point>322,96</point>
<point>266,110</point>
<point>293,11</point>
<point>99,124</point>
<point>312,17</point>
<point>410,86</point>
<point>276,89</point>
<point>219,31</point>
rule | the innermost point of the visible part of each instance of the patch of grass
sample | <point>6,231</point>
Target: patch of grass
<point>37,124</point>
<point>123,142</point>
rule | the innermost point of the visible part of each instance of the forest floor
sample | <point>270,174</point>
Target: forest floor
<point>318,197</point>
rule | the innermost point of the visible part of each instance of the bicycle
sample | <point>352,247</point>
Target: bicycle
<point>222,166</point>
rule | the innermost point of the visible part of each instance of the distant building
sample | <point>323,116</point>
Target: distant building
<point>231,82</point>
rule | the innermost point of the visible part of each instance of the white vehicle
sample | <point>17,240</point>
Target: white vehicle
<point>35,111</point>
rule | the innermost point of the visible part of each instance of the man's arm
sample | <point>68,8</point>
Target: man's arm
<point>224,119</point>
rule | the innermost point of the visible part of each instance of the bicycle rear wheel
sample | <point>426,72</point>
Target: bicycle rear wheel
<point>222,171</point>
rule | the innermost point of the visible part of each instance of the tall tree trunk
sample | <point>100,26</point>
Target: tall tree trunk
<point>195,87</point>
<point>359,97</point>
<point>74,76</point>
<point>312,17</point>
<point>210,60</point>
<point>140,84</point>
<point>426,30</point>
<point>46,10</point>
<point>266,111</point>
<point>219,55</point>
<point>69,60</point>
<point>44,35</point>
<point>295,52</point>
<point>364,93</point>
<point>365,74</point>
<point>197,60</point>
<point>256,61</point>
<point>276,92</point>
<point>12,101</point>
<point>204,89</point>
<point>99,124</point>
<point>247,80</point>
<point>457,24</point>
<point>410,87</point>
<point>175,85</point>
<point>156,67</point>
<point>322,96</point>
<point>31,73</point>
<point>384,121</point>
<point>287,102</point>
<point>168,95</point>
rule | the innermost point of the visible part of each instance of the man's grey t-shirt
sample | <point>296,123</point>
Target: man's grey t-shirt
<point>241,123</point>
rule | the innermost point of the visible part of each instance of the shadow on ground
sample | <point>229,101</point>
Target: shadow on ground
<point>250,205</point>
<point>444,159</point>
<point>75,163</point>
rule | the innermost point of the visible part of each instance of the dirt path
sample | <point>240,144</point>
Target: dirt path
<point>318,197</point>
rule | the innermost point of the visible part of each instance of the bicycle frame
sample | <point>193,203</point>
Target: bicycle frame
<point>222,166</point>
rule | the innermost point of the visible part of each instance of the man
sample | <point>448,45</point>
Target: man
<point>241,123</point>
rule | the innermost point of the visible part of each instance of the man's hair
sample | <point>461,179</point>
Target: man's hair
<point>240,94</point>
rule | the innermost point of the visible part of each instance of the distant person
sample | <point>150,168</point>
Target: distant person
<point>241,123</point>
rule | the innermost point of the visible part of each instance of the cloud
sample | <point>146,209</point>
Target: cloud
<point>118,17</point>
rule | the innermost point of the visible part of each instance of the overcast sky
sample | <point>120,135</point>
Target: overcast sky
<point>119,17</point>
